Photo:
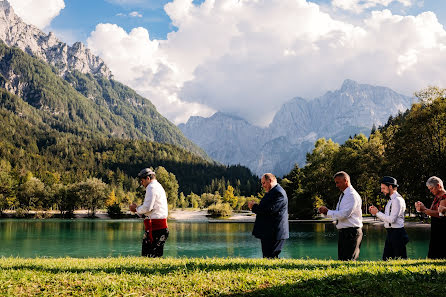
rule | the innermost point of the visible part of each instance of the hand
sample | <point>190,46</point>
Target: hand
<point>373,210</point>
<point>420,206</point>
<point>251,204</point>
<point>132,207</point>
<point>323,210</point>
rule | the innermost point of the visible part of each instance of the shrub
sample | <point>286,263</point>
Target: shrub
<point>220,210</point>
<point>114,211</point>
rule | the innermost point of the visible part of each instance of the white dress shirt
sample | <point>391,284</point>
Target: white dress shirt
<point>155,202</point>
<point>348,212</point>
<point>393,215</point>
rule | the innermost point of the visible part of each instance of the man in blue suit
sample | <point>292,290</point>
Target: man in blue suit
<point>271,225</point>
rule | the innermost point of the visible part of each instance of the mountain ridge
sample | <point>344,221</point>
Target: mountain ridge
<point>338,114</point>
<point>75,89</point>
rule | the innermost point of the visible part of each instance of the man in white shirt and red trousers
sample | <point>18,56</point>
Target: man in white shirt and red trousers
<point>156,211</point>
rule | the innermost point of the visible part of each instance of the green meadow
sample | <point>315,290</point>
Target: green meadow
<point>135,276</point>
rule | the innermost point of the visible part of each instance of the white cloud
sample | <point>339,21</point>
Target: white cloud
<point>137,61</point>
<point>135,14</point>
<point>248,57</point>
<point>359,6</point>
<point>40,13</point>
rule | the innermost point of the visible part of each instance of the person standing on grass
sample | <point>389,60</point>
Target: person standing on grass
<point>156,210</point>
<point>348,215</point>
<point>271,225</point>
<point>437,244</point>
<point>393,217</point>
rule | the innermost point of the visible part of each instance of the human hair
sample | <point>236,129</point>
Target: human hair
<point>342,174</point>
<point>152,176</point>
<point>269,176</point>
<point>433,181</point>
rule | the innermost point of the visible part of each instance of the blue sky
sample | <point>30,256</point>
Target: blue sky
<point>248,57</point>
<point>80,17</point>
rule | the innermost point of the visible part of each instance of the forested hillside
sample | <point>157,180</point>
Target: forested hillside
<point>410,147</point>
<point>82,104</point>
<point>79,141</point>
<point>32,151</point>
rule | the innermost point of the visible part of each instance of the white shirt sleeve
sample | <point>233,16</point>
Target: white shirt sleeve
<point>149,202</point>
<point>346,207</point>
<point>394,212</point>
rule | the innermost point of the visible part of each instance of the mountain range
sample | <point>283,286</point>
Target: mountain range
<point>70,89</point>
<point>354,108</point>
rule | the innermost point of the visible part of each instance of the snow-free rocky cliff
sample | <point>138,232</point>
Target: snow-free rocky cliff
<point>15,33</point>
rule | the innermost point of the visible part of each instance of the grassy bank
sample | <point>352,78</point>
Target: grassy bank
<point>219,277</point>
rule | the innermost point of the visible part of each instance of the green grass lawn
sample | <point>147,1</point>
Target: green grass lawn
<point>219,277</point>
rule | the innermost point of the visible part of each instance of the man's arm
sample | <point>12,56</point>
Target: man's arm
<point>149,201</point>
<point>271,203</point>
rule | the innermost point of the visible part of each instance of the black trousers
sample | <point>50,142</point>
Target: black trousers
<point>395,246</point>
<point>156,247</point>
<point>272,248</point>
<point>349,243</point>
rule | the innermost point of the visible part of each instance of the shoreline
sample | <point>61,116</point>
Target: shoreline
<point>191,216</point>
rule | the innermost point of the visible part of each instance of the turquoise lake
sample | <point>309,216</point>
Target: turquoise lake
<point>84,238</point>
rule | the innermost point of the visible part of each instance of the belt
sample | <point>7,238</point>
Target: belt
<point>151,225</point>
<point>349,228</point>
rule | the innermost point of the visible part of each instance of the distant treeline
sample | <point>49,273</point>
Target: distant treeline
<point>410,147</point>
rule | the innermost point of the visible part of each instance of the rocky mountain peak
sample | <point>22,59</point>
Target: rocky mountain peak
<point>16,33</point>
<point>349,85</point>
<point>338,114</point>
<point>4,5</point>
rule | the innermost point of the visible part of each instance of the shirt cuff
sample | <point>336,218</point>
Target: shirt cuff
<point>379,214</point>
<point>329,213</point>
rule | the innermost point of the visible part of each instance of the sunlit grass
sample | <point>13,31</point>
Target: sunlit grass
<point>132,276</point>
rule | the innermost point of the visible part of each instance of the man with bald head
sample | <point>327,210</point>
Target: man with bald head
<point>348,216</point>
<point>271,225</point>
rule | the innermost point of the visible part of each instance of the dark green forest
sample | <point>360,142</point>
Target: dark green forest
<point>410,147</point>
<point>78,141</point>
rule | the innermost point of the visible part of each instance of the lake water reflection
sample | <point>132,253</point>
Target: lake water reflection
<point>112,238</point>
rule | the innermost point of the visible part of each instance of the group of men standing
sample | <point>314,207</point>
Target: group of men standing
<point>271,224</point>
<point>272,227</point>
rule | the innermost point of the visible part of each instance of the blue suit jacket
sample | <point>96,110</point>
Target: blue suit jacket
<point>272,215</point>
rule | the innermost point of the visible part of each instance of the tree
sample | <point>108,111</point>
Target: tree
<point>7,196</point>
<point>319,171</point>
<point>66,199</point>
<point>169,183</point>
<point>417,144</point>
<point>183,202</point>
<point>229,197</point>
<point>92,194</point>
<point>32,193</point>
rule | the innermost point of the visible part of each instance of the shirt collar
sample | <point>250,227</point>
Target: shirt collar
<point>348,189</point>
<point>394,195</point>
